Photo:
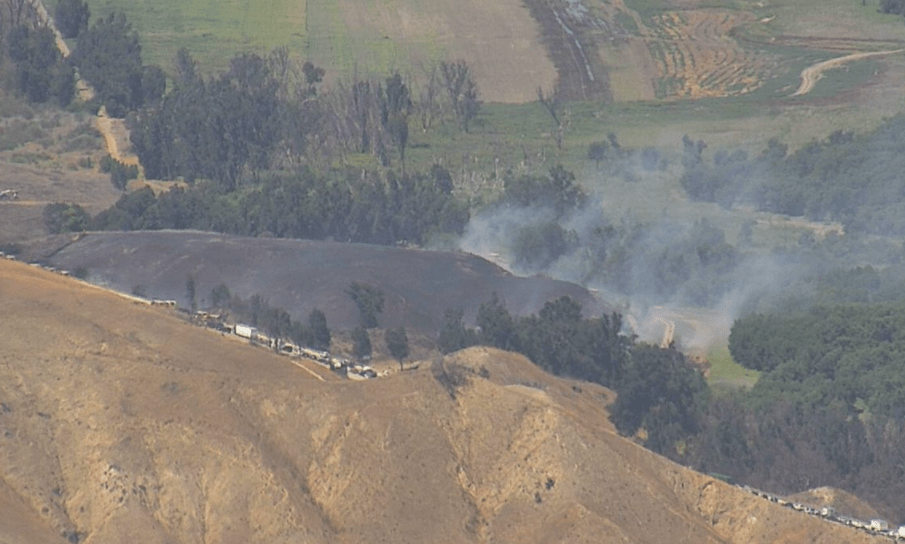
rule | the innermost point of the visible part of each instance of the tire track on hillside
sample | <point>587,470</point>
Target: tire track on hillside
<point>812,74</point>
<point>107,126</point>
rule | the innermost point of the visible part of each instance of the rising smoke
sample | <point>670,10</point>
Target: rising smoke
<point>669,273</point>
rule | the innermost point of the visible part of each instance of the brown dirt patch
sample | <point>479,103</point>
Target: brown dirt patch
<point>22,219</point>
<point>116,137</point>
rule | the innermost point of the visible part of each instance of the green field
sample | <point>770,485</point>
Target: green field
<point>213,30</point>
<point>726,373</point>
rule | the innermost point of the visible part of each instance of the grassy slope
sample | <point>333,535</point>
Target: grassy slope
<point>726,373</point>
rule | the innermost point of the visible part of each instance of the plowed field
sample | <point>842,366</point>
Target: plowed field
<point>696,56</point>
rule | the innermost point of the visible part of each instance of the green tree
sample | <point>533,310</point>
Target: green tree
<point>395,109</point>
<point>398,344</point>
<point>153,84</point>
<point>220,296</point>
<point>537,246</point>
<point>454,335</point>
<point>369,300</point>
<point>108,55</point>
<point>361,342</point>
<point>320,333</point>
<point>71,17</point>
<point>120,173</point>
<point>190,292</point>
<point>41,72</point>
<point>558,190</point>
<point>597,152</point>
<point>662,393</point>
<point>497,326</point>
<point>65,217</point>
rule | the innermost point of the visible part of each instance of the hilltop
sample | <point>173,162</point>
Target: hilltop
<point>300,275</point>
<point>121,422</point>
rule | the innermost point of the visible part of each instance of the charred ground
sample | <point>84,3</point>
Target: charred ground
<point>300,275</point>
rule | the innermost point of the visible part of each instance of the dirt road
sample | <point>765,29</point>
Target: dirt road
<point>812,74</point>
<point>116,136</point>
<point>115,133</point>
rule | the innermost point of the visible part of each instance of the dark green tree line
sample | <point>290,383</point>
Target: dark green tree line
<point>846,177</point>
<point>108,55</point>
<point>345,206</point>
<point>71,17</point>
<point>41,72</point>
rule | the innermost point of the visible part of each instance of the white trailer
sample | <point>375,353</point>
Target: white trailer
<point>245,331</point>
<point>879,525</point>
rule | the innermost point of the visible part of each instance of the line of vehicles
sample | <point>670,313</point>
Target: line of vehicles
<point>358,371</point>
<point>878,527</point>
<point>351,369</point>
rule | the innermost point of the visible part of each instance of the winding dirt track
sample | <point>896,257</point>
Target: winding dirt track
<point>812,74</point>
<point>107,126</point>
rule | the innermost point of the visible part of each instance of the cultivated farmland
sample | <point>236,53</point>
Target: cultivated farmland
<point>585,49</point>
<point>697,57</point>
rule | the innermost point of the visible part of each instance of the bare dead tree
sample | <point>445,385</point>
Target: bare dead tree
<point>355,118</point>
<point>553,106</point>
<point>16,12</point>
<point>428,106</point>
<point>462,91</point>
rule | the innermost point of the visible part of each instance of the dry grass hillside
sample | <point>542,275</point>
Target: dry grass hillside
<point>121,423</point>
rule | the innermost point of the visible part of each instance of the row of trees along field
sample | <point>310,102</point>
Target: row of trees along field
<point>347,205</point>
<point>269,112</point>
<point>258,145</point>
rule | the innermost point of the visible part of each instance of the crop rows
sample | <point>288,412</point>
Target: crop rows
<point>697,57</point>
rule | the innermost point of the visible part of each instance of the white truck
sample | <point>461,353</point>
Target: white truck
<point>879,525</point>
<point>245,331</point>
